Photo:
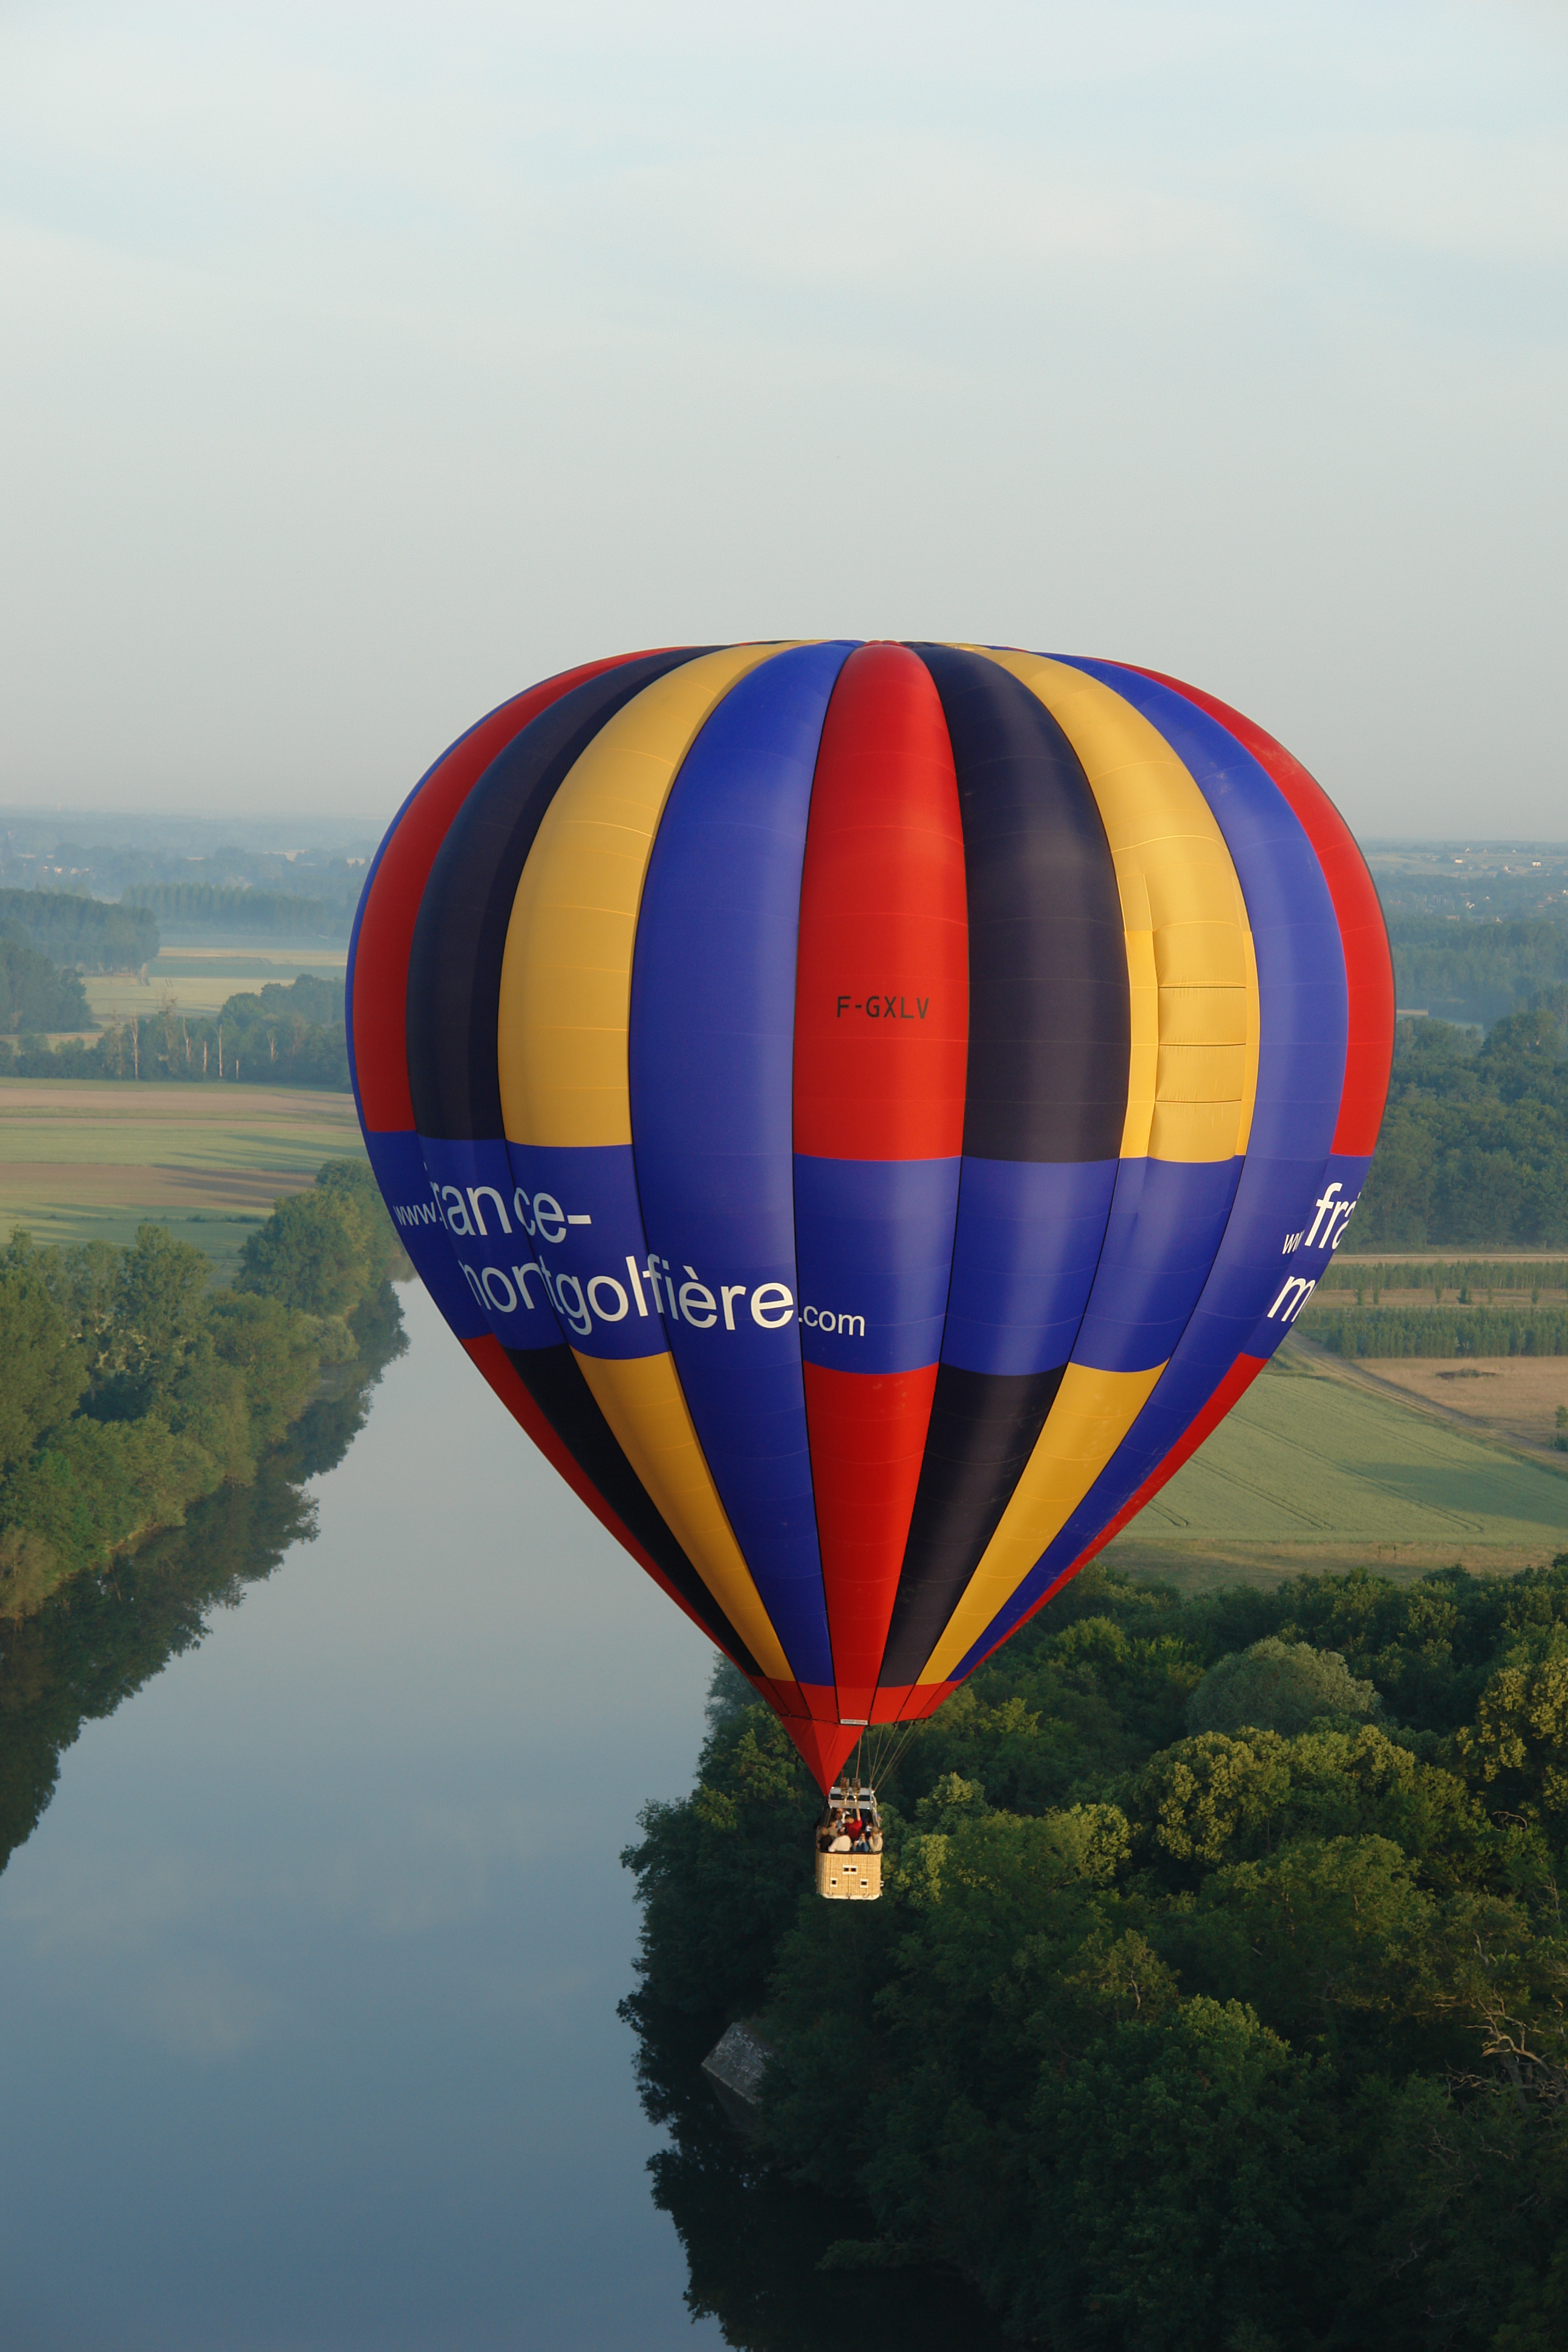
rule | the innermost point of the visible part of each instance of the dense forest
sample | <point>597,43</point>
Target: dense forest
<point>1474,1146</point>
<point>132,1387</point>
<point>1476,971</point>
<point>285,1034</point>
<point>1219,1992</point>
<point>82,933</point>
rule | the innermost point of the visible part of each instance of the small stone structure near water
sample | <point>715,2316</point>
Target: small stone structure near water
<point>734,2068</point>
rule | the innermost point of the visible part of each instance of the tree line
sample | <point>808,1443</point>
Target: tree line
<point>132,1387</point>
<point>1219,1991</point>
<point>285,1034</point>
<point>1437,1330</point>
<point>1442,1276</point>
<point>85,933</point>
<point>215,907</point>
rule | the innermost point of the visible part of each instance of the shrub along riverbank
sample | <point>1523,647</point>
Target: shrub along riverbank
<point>132,1387</point>
<point>1219,1993</point>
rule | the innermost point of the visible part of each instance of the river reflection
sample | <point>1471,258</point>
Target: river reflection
<point>310,1966</point>
<point>755,2244</point>
<point>311,1962</point>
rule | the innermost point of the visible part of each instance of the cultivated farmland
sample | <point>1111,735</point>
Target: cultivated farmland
<point>1517,1398</point>
<point>90,1160</point>
<point>1314,1471</point>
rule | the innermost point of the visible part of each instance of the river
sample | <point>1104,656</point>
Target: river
<point>311,1962</point>
<point>310,1965</point>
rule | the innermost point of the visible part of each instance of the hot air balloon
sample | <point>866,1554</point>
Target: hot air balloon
<point>869,1110</point>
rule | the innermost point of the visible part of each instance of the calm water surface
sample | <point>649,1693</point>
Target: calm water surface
<point>309,1969</point>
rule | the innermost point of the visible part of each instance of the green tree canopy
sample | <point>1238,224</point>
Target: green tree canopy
<point>45,1370</point>
<point>34,995</point>
<point>1277,1686</point>
<point>310,1253</point>
<point>132,1387</point>
<point>1517,1747</point>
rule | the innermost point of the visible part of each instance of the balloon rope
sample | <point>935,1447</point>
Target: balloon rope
<point>902,1745</point>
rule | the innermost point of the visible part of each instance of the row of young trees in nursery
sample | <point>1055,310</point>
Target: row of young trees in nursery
<point>1447,1330</point>
<point>133,1386</point>
<point>1464,1281</point>
<point>1218,1994</point>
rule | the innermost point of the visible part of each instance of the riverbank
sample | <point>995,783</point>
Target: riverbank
<point>100,1637</point>
<point>135,1387</point>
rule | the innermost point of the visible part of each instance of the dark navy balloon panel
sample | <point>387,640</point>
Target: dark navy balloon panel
<point>1253,1290</point>
<point>870,1112</point>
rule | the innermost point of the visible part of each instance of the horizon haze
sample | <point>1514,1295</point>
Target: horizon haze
<point>366,366</point>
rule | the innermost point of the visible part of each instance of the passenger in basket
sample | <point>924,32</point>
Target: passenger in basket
<point>840,1843</point>
<point>874,1843</point>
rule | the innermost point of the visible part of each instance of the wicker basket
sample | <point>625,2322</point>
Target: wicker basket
<point>849,1877</point>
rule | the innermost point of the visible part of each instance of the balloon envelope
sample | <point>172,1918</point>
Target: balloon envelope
<point>869,1110</point>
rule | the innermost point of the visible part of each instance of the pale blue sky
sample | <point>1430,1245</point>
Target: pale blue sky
<point>363,363</point>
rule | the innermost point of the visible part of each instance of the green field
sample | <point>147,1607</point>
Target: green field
<point>92,1159</point>
<point>1311,1472</point>
<point>200,979</point>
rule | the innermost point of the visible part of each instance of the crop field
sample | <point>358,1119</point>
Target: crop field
<point>95,1159</point>
<point>1314,1470</point>
<point>1516,1398</point>
<point>199,979</point>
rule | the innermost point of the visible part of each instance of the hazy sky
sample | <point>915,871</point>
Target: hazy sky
<point>363,363</point>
